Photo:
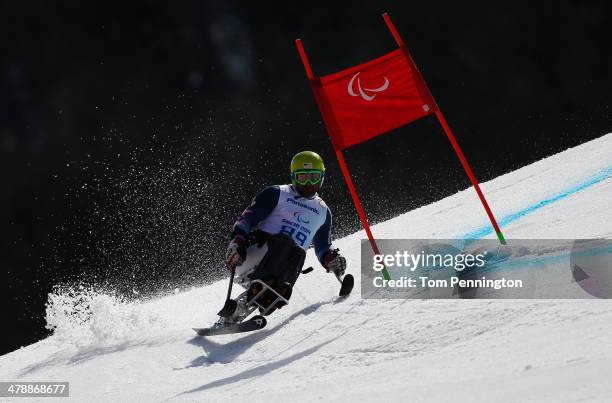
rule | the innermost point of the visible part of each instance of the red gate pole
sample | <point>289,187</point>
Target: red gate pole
<point>470,174</point>
<point>356,202</point>
<point>447,130</point>
<point>340,157</point>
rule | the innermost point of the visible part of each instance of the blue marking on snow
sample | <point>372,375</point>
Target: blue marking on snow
<point>488,229</point>
<point>549,259</point>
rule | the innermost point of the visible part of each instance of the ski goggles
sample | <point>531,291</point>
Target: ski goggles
<point>308,177</point>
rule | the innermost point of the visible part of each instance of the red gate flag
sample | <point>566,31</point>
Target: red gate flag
<point>372,98</point>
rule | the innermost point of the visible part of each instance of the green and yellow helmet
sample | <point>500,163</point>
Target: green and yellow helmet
<point>307,172</point>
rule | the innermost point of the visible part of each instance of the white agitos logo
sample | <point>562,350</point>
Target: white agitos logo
<point>365,92</point>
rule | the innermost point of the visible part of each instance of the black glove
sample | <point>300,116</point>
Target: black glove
<point>236,252</point>
<point>333,261</point>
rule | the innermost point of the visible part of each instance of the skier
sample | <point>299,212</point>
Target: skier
<point>270,238</point>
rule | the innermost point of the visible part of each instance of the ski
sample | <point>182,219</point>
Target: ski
<point>255,323</point>
<point>346,284</point>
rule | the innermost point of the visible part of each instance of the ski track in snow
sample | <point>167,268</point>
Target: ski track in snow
<point>320,348</point>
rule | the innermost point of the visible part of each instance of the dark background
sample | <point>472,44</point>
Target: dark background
<point>133,133</point>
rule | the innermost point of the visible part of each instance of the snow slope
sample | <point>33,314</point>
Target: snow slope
<point>319,348</point>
